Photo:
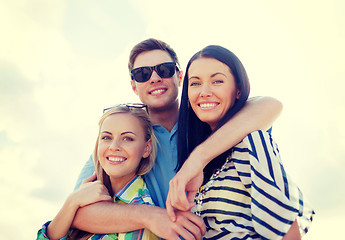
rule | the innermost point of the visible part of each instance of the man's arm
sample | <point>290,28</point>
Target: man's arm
<point>106,217</point>
<point>257,114</point>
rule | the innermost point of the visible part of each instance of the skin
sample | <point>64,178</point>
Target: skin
<point>208,91</point>
<point>91,191</point>
<point>121,147</point>
<point>109,218</point>
<point>159,94</point>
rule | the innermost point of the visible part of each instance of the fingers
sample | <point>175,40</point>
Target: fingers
<point>101,191</point>
<point>192,229</point>
<point>190,198</point>
<point>185,234</point>
<point>170,209</point>
<point>193,225</point>
<point>91,192</point>
<point>178,198</point>
<point>197,221</point>
<point>92,178</point>
<point>104,195</point>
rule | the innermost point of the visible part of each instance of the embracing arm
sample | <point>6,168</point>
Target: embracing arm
<point>105,217</point>
<point>258,114</point>
<point>60,225</point>
<point>89,192</point>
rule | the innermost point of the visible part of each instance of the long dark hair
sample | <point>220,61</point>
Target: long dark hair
<point>191,130</point>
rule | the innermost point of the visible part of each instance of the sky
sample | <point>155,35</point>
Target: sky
<point>62,62</point>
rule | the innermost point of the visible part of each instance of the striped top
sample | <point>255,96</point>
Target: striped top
<point>134,192</point>
<point>251,196</point>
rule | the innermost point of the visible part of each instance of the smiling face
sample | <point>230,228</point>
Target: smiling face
<point>121,146</point>
<point>212,90</point>
<point>157,92</point>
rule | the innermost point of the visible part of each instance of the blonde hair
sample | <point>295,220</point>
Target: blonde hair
<point>145,164</point>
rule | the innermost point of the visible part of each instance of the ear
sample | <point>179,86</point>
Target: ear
<point>134,87</point>
<point>148,149</point>
<point>238,94</point>
<point>180,76</point>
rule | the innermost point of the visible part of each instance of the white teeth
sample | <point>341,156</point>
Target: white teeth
<point>116,159</point>
<point>207,105</point>
<point>157,91</point>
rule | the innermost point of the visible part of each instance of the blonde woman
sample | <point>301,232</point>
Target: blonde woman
<point>125,150</point>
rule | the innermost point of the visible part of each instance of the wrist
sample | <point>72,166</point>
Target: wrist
<point>71,203</point>
<point>199,158</point>
<point>148,214</point>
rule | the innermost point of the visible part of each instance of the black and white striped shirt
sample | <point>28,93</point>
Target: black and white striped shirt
<point>251,196</point>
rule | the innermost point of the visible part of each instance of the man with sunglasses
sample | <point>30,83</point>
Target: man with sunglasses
<point>156,78</point>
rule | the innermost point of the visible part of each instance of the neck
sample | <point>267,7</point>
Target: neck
<point>166,117</point>
<point>118,183</point>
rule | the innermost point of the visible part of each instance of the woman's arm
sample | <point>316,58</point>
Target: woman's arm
<point>258,114</point>
<point>59,227</point>
<point>89,192</point>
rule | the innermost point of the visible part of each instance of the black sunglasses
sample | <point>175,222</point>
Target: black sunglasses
<point>129,105</point>
<point>164,70</point>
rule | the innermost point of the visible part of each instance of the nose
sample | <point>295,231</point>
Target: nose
<point>155,77</point>
<point>115,145</point>
<point>206,91</point>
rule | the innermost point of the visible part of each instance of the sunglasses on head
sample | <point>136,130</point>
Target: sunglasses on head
<point>129,105</point>
<point>164,70</point>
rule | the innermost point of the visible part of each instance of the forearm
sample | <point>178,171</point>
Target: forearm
<point>60,225</point>
<point>257,114</point>
<point>107,217</point>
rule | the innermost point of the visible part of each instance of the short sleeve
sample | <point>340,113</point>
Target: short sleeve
<point>276,200</point>
<point>86,172</point>
<point>42,233</point>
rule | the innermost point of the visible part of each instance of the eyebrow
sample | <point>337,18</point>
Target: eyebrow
<point>123,133</point>
<point>214,74</point>
<point>107,132</point>
<point>128,132</point>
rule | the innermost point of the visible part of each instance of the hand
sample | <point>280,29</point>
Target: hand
<point>183,188</point>
<point>90,191</point>
<point>187,225</point>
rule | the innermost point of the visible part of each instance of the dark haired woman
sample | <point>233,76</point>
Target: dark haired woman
<point>246,193</point>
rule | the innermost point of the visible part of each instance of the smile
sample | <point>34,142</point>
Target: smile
<point>116,159</point>
<point>208,105</point>
<point>158,91</point>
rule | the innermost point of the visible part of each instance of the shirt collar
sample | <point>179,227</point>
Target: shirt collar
<point>129,192</point>
<point>159,128</point>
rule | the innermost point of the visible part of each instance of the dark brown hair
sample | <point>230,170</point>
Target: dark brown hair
<point>149,45</point>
